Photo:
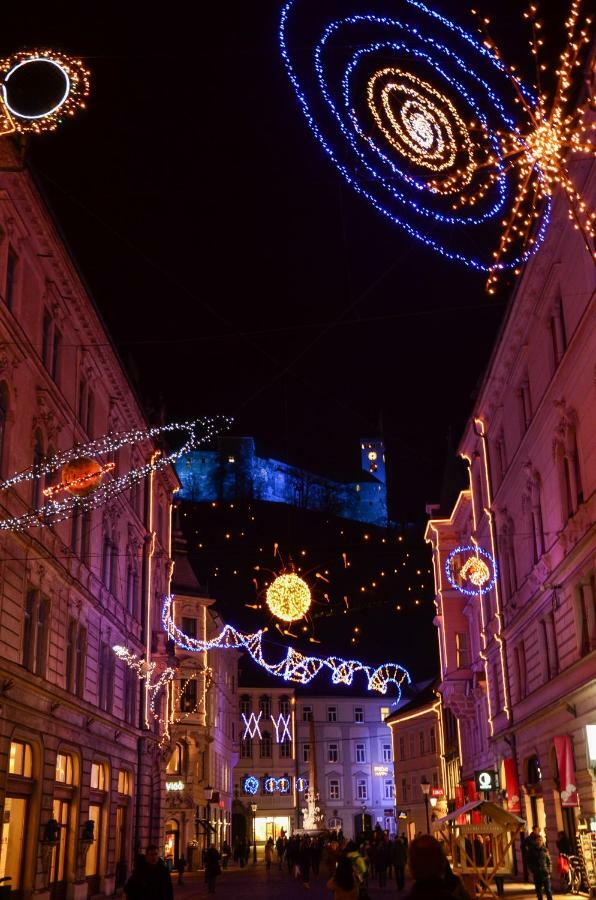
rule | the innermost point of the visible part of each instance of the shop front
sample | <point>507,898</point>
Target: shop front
<point>270,825</point>
<point>17,818</point>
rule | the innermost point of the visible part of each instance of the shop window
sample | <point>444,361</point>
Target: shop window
<point>20,761</point>
<point>12,840</point>
<point>92,858</point>
<point>64,768</point>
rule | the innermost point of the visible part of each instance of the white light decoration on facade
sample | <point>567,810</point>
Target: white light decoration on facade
<point>282,728</point>
<point>251,724</point>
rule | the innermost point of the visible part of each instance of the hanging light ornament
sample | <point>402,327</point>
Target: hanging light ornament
<point>80,477</point>
<point>289,597</point>
<point>39,89</point>
<point>471,570</point>
<point>445,141</point>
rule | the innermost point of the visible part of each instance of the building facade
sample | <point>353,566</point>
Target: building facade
<point>518,661</point>
<point>81,775</point>
<point>203,748</point>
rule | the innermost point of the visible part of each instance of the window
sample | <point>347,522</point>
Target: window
<point>64,768</point>
<point>520,670</point>
<point>13,840</point>
<point>462,652</point>
<point>402,748</point>
<point>36,492</point>
<point>585,601</point>
<point>174,766</point>
<point>332,713</point>
<point>525,406</point>
<point>56,351</point>
<point>46,339</point>
<point>421,743</point>
<point>266,745</point>
<point>85,532</point>
<point>384,712</point>
<point>265,706</point>
<point>412,747</point>
<point>501,456</point>
<point>130,692</point>
<point>435,779</point>
<point>359,714</point>
<point>284,706</point>
<point>125,782</point>
<point>71,644</point>
<point>333,753</point>
<point>188,696</point>
<point>404,789</point>
<point>388,790</point>
<point>246,748</point>
<point>20,761</point>
<point>36,617</point>
<point>245,705</point>
<point>132,591</point>
<point>98,777</point>
<point>3,423</point>
<point>90,412</point>
<point>433,741</point>
<point>105,693</point>
<point>9,289</point>
<point>333,789</point>
<point>306,753</point>
<point>285,749</point>
<point>307,713</point>
<point>558,334</point>
<point>361,789</point>
<point>360,753</point>
<point>386,752</point>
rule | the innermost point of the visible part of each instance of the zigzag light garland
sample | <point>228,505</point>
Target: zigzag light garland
<point>197,432</point>
<point>295,666</point>
<point>433,129</point>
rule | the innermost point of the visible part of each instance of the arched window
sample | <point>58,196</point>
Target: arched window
<point>266,745</point>
<point>3,422</point>
<point>64,769</point>
<point>265,706</point>
<point>245,705</point>
<point>38,454</point>
<point>174,766</point>
<point>98,811</point>
<point>125,782</point>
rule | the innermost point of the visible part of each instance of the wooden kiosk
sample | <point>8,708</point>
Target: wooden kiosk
<point>479,851</point>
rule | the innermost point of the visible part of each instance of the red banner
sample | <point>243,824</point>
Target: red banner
<point>512,786</point>
<point>566,766</point>
<point>473,795</point>
<point>460,799</point>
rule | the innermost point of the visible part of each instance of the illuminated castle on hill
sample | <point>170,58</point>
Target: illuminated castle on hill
<point>235,472</point>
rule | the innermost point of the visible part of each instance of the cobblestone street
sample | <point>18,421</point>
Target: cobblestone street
<point>254,882</point>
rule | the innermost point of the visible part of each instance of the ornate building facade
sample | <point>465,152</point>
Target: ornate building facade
<point>518,661</point>
<point>77,744</point>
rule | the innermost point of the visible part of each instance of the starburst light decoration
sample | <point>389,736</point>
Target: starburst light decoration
<point>471,570</point>
<point>22,109</point>
<point>429,125</point>
<point>60,503</point>
<point>288,597</point>
<point>294,666</point>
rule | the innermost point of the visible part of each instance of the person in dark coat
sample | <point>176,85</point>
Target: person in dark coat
<point>181,866</point>
<point>150,879</point>
<point>212,869</point>
<point>382,859</point>
<point>539,865</point>
<point>400,855</point>
<point>304,861</point>
<point>564,845</point>
<point>427,865</point>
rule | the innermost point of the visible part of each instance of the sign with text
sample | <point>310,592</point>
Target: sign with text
<point>487,780</point>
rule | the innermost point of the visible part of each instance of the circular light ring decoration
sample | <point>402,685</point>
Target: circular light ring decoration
<point>250,784</point>
<point>288,597</point>
<point>479,569</point>
<point>197,431</point>
<point>418,138</point>
<point>72,97</point>
<point>294,666</point>
<point>301,784</point>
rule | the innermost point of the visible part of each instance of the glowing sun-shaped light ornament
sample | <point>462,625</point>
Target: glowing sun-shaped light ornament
<point>80,477</point>
<point>289,597</point>
<point>471,570</point>
<point>40,89</point>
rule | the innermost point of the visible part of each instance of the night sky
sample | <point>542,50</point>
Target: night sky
<point>234,268</point>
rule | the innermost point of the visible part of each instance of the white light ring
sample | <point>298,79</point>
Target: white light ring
<point>26,62</point>
<point>474,550</point>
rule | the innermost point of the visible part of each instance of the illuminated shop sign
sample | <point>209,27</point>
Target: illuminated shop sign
<point>174,786</point>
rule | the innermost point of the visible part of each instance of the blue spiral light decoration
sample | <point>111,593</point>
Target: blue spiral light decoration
<point>411,109</point>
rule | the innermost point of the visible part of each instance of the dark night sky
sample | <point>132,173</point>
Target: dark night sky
<point>234,268</point>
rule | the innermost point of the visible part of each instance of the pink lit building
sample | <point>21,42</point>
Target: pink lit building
<point>76,745</point>
<point>518,664</point>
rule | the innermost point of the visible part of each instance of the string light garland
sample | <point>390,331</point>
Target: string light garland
<point>289,597</point>
<point>23,112</point>
<point>294,666</point>
<point>476,566</point>
<point>447,143</point>
<point>197,431</point>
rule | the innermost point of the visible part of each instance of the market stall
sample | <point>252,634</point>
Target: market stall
<point>478,840</point>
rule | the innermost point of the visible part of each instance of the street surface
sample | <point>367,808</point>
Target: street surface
<point>254,883</point>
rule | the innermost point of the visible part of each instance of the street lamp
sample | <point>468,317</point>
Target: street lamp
<point>363,811</point>
<point>254,808</point>
<point>425,785</point>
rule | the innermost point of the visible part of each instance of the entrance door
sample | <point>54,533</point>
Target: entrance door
<point>61,812</point>
<point>93,854</point>
<point>171,849</point>
<point>121,867</point>
<point>12,842</point>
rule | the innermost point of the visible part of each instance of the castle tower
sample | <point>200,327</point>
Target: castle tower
<point>372,452</point>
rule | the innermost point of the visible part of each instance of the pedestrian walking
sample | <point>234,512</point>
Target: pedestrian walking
<point>269,853</point>
<point>400,855</point>
<point>212,869</point>
<point>539,864</point>
<point>150,879</point>
<point>382,856</point>
<point>181,867</point>
<point>304,861</point>
<point>343,883</point>
<point>280,847</point>
<point>427,865</point>
<point>225,854</point>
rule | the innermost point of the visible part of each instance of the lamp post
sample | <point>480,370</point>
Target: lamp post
<point>363,811</point>
<point>208,794</point>
<point>254,807</point>
<point>425,785</point>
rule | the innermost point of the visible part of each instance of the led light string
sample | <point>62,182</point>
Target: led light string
<point>295,666</point>
<point>74,95</point>
<point>198,431</point>
<point>467,145</point>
